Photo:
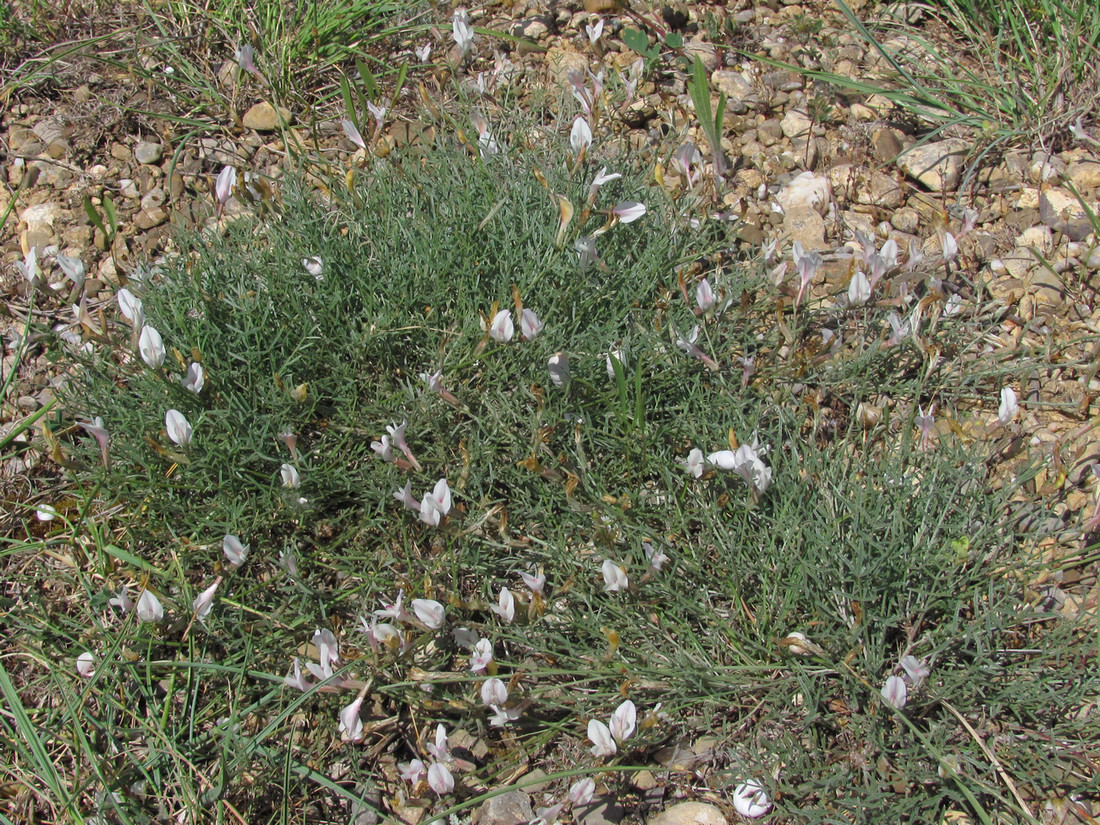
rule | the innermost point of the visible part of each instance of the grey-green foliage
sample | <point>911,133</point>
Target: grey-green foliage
<point>406,272</point>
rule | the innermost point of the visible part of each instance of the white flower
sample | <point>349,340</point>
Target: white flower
<point>204,602</point>
<point>915,669</point>
<point>436,504</point>
<point>351,726</point>
<point>1009,407</point>
<point>440,779</point>
<point>655,556</point>
<point>461,31</point>
<point>952,305</point>
<point>122,601</point>
<point>581,791</point>
<point>536,581</point>
<point>314,266</point>
<point>384,449</point>
<point>894,692</point>
<point>328,649</point>
<point>501,328</point>
<point>949,246</point>
<point>223,187</point>
<point>131,308</point>
<point>580,136</point>
<point>751,800</point>
<point>502,715</point>
<point>746,462</point>
<point>290,477</point>
<point>149,608</point>
<point>859,289</point>
<point>482,656</point>
<point>430,612</point>
<point>411,771</point>
<point>704,296</point>
<point>594,32</point>
<point>623,721</point>
<point>195,379</point>
<point>424,52</point>
<point>614,577</point>
<point>352,131</point>
<point>178,427</point>
<point>45,512</point>
<point>85,664</point>
<point>694,463</point>
<point>600,737</point>
<point>440,749</point>
<point>234,550</point>
<point>493,692</point>
<point>505,608</point>
<point>297,680</point>
<point>628,211</point>
<point>529,324</point>
<point>151,347</point>
<point>558,366</point>
<point>29,265</point>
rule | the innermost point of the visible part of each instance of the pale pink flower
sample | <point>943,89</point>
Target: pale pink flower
<point>234,550</point>
<point>204,602</point>
<point>482,656</point>
<point>894,692</point>
<point>351,726</point>
<point>600,737</point>
<point>440,749</point>
<point>291,478</point>
<point>195,379</point>
<point>1009,408</point>
<point>505,607</point>
<point>704,296</point>
<point>751,800</point>
<point>628,211</point>
<point>614,577</point>
<point>430,612</point>
<point>223,187</point>
<point>297,680</point>
<point>397,436</point>
<point>695,463</point>
<point>529,324</point>
<point>535,581</point>
<point>580,136</point>
<point>623,721</point>
<point>85,664</point>
<point>501,327</point>
<point>436,504</point>
<point>493,692</point>
<point>412,772</point>
<point>151,347</point>
<point>405,496</point>
<point>440,779</point>
<point>352,132</point>
<point>149,608</point>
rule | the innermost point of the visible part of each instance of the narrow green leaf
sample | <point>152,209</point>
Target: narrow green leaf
<point>111,213</point>
<point>93,215</point>
<point>132,560</point>
<point>370,83</point>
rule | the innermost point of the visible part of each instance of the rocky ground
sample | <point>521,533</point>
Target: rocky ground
<point>809,163</point>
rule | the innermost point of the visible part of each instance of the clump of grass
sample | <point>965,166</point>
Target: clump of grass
<point>767,616</point>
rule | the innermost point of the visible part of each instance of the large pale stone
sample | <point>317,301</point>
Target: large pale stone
<point>805,224</point>
<point>509,808</point>
<point>796,124</point>
<point>1060,210</point>
<point>689,813</point>
<point>806,190</point>
<point>264,118</point>
<point>937,165</point>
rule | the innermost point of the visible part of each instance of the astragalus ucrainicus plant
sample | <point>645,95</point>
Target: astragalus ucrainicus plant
<point>474,450</point>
